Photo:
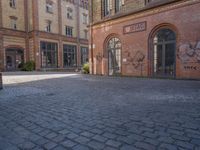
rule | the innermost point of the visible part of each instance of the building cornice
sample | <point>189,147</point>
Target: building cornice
<point>146,11</point>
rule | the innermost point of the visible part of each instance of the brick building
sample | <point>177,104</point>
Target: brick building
<point>53,33</point>
<point>154,38</point>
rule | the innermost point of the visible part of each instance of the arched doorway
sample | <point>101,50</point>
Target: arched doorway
<point>14,59</point>
<point>164,50</point>
<point>114,56</point>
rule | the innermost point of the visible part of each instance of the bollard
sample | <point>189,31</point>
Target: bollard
<point>1,82</point>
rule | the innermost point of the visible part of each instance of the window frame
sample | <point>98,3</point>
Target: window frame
<point>69,13</point>
<point>51,51</point>
<point>84,52</point>
<point>85,18</point>
<point>49,7</point>
<point>86,34</point>
<point>70,50</point>
<point>69,31</point>
<point>48,25</point>
<point>107,4</point>
<point>12,3</point>
<point>13,22</point>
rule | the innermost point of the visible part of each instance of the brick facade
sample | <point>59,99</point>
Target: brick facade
<point>31,17</point>
<point>136,31</point>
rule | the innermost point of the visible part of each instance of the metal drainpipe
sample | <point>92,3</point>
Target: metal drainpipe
<point>1,82</point>
<point>91,34</point>
<point>78,34</point>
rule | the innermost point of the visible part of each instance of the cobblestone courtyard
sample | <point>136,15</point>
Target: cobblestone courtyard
<point>77,112</point>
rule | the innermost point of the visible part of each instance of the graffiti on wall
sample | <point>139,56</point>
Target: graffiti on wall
<point>99,57</point>
<point>135,60</point>
<point>188,53</point>
<point>190,56</point>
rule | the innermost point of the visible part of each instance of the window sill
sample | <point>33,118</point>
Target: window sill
<point>14,7</point>
<point>49,12</point>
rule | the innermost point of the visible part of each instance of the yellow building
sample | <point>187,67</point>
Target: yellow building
<point>52,33</point>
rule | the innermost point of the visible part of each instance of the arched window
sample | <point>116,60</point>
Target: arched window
<point>164,50</point>
<point>114,56</point>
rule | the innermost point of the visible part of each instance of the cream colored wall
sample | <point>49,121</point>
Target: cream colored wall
<point>30,15</point>
<point>69,22</point>
<point>10,40</point>
<point>44,16</point>
<point>70,43</point>
<point>17,12</point>
<point>83,26</point>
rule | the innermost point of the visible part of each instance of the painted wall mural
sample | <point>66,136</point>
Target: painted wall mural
<point>190,56</point>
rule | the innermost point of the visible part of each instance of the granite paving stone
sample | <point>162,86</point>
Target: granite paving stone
<point>72,111</point>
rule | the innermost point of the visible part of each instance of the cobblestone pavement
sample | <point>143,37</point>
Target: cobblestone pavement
<point>69,111</point>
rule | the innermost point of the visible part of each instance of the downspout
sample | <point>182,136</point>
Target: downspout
<point>91,35</point>
<point>78,51</point>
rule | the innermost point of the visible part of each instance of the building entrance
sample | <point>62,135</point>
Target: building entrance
<point>114,56</point>
<point>164,60</point>
<point>14,59</point>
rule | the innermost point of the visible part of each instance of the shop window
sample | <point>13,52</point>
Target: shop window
<point>48,55</point>
<point>69,31</point>
<point>14,59</point>
<point>84,55</point>
<point>13,3</point>
<point>69,56</point>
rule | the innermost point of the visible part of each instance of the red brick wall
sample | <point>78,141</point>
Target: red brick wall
<point>183,18</point>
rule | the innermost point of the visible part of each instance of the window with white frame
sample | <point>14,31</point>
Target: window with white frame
<point>118,5</point>
<point>86,34</point>
<point>69,13</point>
<point>48,26</point>
<point>69,31</point>
<point>49,6</point>
<point>107,7</point>
<point>84,55</point>
<point>13,22</point>
<point>13,3</point>
<point>85,19</point>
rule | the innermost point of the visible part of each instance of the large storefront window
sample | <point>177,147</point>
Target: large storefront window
<point>164,53</point>
<point>70,56</point>
<point>84,55</point>
<point>14,59</point>
<point>114,56</point>
<point>49,55</point>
